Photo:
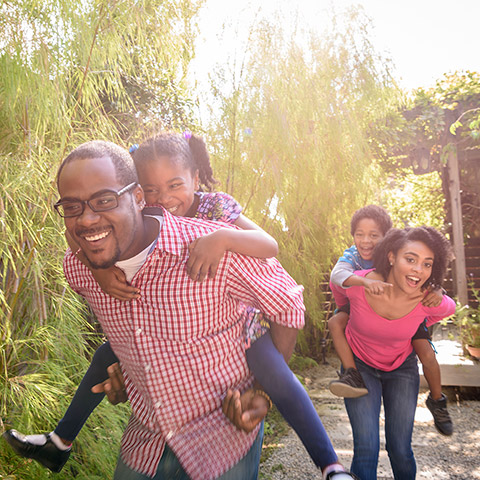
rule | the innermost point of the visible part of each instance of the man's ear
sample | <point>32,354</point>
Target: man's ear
<point>139,197</point>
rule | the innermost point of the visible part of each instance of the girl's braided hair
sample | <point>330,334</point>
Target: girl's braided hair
<point>189,151</point>
<point>396,238</point>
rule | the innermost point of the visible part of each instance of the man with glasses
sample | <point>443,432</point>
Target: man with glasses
<point>178,356</point>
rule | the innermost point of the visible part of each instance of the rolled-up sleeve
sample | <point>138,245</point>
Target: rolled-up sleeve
<point>264,284</point>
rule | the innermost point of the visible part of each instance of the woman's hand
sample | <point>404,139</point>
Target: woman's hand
<point>113,282</point>
<point>205,255</point>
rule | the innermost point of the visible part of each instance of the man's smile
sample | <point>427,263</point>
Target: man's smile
<point>94,236</point>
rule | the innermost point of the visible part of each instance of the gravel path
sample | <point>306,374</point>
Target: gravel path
<point>438,457</point>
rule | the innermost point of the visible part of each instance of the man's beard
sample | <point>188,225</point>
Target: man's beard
<point>107,263</point>
<point>117,254</point>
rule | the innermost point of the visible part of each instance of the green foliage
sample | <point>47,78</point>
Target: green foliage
<point>291,145</point>
<point>299,363</point>
<point>69,72</point>
<point>415,200</point>
<point>467,318</point>
<point>426,129</point>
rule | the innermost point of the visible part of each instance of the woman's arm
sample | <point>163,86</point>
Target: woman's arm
<point>445,309</point>
<point>207,251</point>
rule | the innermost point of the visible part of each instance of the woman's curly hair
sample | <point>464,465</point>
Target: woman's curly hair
<point>396,238</point>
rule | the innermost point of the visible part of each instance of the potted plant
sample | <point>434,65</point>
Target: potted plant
<point>468,320</point>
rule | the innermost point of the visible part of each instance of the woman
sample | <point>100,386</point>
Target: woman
<point>379,332</point>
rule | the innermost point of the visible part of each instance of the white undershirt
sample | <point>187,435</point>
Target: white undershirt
<point>132,265</point>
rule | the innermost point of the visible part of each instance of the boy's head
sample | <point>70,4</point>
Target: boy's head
<point>368,226</point>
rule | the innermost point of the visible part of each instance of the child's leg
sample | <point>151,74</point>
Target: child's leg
<point>84,401</point>
<point>291,399</point>
<point>431,368</point>
<point>336,325</point>
<point>53,450</point>
<point>350,384</point>
<point>436,401</point>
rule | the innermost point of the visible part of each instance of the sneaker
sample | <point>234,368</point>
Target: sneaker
<point>48,454</point>
<point>349,385</point>
<point>341,476</point>
<point>441,417</point>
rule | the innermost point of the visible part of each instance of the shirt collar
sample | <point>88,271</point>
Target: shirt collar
<point>171,238</point>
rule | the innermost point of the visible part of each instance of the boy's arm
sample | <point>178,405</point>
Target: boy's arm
<point>343,276</point>
<point>207,251</point>
<point>341,272</point>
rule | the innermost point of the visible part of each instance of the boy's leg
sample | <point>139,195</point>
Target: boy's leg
<point>336,326</point>
<point>436,401</point>
<point>350,384</point>
<point>431,368</point>
<point>291,399</point>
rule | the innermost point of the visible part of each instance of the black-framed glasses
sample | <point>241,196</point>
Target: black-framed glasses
<point>100,202</point>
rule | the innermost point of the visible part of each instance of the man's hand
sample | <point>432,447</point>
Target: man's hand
<point>114,386</point>
<point>245,410</point>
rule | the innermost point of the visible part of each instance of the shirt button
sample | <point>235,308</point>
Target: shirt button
<point>158,404</point>
<point>139,331</point>
<point>169,435</point>
<point>148,367</point>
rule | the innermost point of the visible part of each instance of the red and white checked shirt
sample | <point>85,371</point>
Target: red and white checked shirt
<point>181,346</point>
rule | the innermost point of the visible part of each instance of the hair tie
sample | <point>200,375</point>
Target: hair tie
<point>133,148</point>
<point>187,135</point>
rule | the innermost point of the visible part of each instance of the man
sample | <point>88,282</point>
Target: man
<point>181,343</point>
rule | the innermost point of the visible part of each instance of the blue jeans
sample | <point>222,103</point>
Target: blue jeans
<point>169,467</point>
<point>399,390</point>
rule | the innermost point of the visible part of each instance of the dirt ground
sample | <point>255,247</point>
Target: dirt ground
<point>438,457</point>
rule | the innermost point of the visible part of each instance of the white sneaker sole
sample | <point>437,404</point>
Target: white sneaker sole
<point>346,391</point>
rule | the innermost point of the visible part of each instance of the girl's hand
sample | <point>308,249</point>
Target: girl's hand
<point>112,281</point>
<point>376,287</point>
<point>433,298</point>
<point>205,255</point>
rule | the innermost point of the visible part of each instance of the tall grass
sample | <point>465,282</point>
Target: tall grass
<point>69,72</point>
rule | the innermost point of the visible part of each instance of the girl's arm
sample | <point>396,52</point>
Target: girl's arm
<point>207,251</point>
<point>251,240</point>
<point>111,280</point>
